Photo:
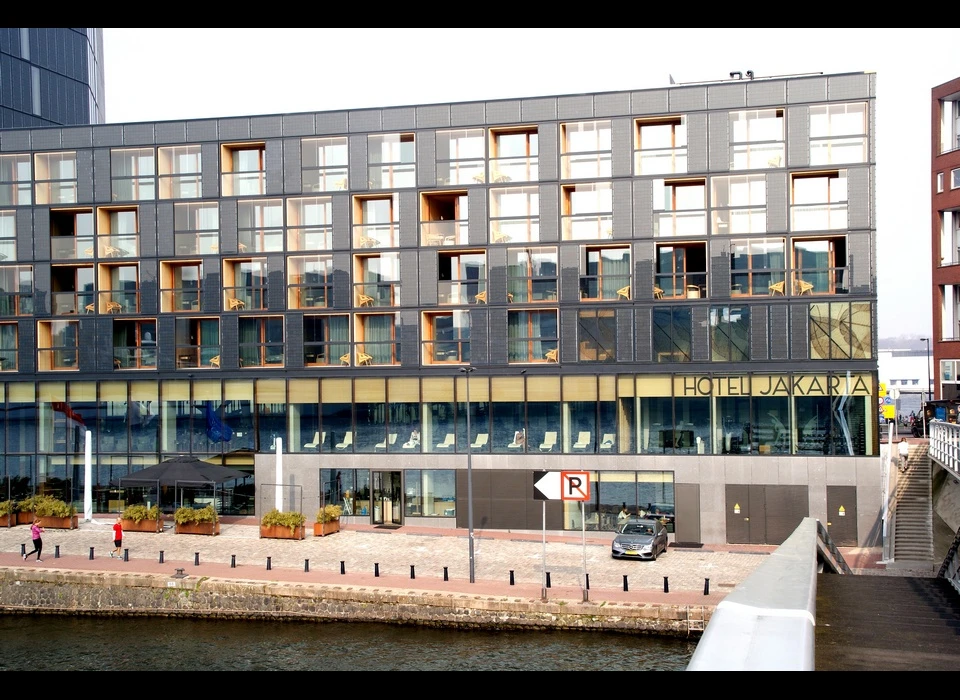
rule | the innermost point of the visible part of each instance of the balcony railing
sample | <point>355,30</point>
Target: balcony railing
<point>821,280</point>
<point>8,360</point>
<point>460,292</point>
<point>324,353</point>
<point>576,166</point>
<point>377,293</point>
<point>269,240</point>
<point>755,283</point>
<point>680,223</point>
<point>461,172</point>
<point>61,358</point>
<point>181,186</point>
<point>659,161</point>
<point>526,290</point>
<point>446,351</point>
<point>71,247</point>
<point>65,303</point>
<point>590,227</point>
<point>818,217</point>
<point>376,235</point>
<point>125,246</point>
<point>244,298</point>
<point>604,287</point>
<point>378,353</point>
<point>740,221</point>
<point>443,232</point>
<point>515,230</point>
<point>134,357</point>
<point>180,299</point>
<point>310,296</point>
<point>310,238</point>
<point>750,156</point>
<point>388,177</point>
<point>16,304</point>
<point>121,301</point>
<point>326,180</point>
<point>197,243</point>
<point>193,356</point>
<point>244,184</point>
<point>691,285</point>
<point>521,169</point>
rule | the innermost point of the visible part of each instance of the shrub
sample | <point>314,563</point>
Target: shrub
<point>47,506</point>
<point>329,513</point>
<point>291,519</point>
<point>8,508</point>
<point>141,512</point>
<point>185,515</point>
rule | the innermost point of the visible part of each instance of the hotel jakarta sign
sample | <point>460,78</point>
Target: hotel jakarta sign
<point>853,384</point>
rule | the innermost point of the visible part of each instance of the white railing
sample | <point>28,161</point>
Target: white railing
<point>945,445</point>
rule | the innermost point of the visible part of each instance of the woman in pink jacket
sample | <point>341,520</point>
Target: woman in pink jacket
<point>35,531</point>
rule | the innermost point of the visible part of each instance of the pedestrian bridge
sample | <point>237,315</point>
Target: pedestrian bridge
<point>803,609</point>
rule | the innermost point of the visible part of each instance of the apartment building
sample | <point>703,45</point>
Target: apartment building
<point>672,289</point>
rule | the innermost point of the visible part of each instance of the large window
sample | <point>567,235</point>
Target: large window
<point>840,331</point>
<point>462,277</point>
<point>757,266</point>
<point>8,347</point>
<point>324,164</point>
<point>838,133</point>
<point>730,333</point>
<point>376,222</point>
<point>444,218</point>
<point>531,335</point>
<point>681,271</point>
<point>309,223</point>
<point>587,211</point>
<point>430,492</point>
<point>671,334</point>
<point>57,347</point>
<point>739,204</point>
<point>243,169</point>
<point>756,139</point>
<point>118,232</point>
<point>514,214</point>
<point>606,273</point>
<point>586,150</point>
<point>180,286</point>
<point>819,201</point>
<point>133,174</point>
<point>819,265</point>
<point>260,226</point>
<point>661,146</point>
<point>261,341</point>
<point>197,342</point>
<point>8,235</point>
<point>514,155</point>
<point>196,228</point>
<point>679,208</point>
<point>326,340</point>
<point>378,339</point>
<point>15,180</point>
<point>244,284</point>
<point>309,281</point>
<point>16,290</point>
<point>597,335</point>
<point>181,174</point>
<point>378,278</point>
<point>56,178</point>
<point>135,344</point>
<point>391,161</point>
<point>461,159</point>
<point>532,274</point>
<point>446,337</point>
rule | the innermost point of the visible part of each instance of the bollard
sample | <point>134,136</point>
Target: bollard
<point>445,576</point>
<point>126,554</point>
<point>56,552</point>
<point>233,561</point>
<point>268,564</point>
<point>23,549</point>
<point>511,577</point>
<point>587,576</point>
<point>196,558</point>
<point>548,579</point>
<point>706,586</point>
<point>91,554</point>
<point>376,569</point>
<point>343,569</point>
<point>625,586</point>
<point>306,566</point>
<point>161,556</point>
<point>412,574</point>
<point>666,585</point>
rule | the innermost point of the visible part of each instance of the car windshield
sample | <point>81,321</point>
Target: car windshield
<point>636,529</point>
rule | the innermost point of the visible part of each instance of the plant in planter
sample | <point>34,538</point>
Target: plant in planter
<point>196,521</point>
<point>287,525</point>
<point>53,512</point>
<point>8,513</point>
<point>139,518</point>
<point>327,520</point>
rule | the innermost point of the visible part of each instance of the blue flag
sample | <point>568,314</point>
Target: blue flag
<point>217,430</point>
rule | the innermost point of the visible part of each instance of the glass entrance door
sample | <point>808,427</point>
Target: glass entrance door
<point>387,503</point>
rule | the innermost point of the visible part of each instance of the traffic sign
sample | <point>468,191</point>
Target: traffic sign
<point>561,486</point>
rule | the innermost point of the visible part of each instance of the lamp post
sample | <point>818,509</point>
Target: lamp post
<point>924,407</point>
<point>466,372</point>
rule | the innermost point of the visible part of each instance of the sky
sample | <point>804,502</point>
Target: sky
<point>175,73</point>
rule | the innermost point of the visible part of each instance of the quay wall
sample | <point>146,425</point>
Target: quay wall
<point>137,594</point>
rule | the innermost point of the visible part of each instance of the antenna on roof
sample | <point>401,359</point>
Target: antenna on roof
<point>672,81</point>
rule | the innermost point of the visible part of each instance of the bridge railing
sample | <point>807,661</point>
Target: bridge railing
<point>945,445</point>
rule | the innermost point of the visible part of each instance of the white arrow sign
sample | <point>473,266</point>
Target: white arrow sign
<point>546,486</point>
<point>561,486</point>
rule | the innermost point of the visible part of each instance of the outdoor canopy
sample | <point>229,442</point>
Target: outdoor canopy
<point>184,469</point>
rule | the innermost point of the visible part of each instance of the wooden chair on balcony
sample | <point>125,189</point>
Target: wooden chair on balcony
<point>114,307</point>
<point>777,288</point>
<point>367,242</point>
<point>624,293</point>
<point>215,361</point>
<point>657,293</point>
<point>365,300</point>
<point>345,359</point>
<point>804,287</point>
<point>364,359</point>
<point>481,298</point>
<point>90,308</point>
<point>235,304</point>
<point>551,355</point>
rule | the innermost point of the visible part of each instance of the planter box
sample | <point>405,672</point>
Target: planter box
<point>322,529</point>
<point>197,529</point>
<point>8,520</point>
<point>144,525</point>
<point>281,532</point>
<point>70,523</point>
<point>25,517</point>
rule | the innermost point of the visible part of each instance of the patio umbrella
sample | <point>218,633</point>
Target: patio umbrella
<point>184,468</point>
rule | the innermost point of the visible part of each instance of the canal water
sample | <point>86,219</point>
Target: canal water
<point>65,643</point>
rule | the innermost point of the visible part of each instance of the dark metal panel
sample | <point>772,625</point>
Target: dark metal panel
<point>737,512</point>
<point>165,244</point>
<point>575,107</point>
<point>799,333</point>
<point>166,343</point>
<point>687,506</point>
<point>798,137</point>
<point>479,337</point>
<point>103,135</point>
<point>93,183</point>
<point>210,170</point>
<point>273,164</point>
<point>643,266</point>
<point>621,164</point>
<point>298,125</point>
<point>26,345</point>
<point>779,350</point>
<point>759,331</point>
<point>340,206</point>
<point>861,252</point>
<point>569,334</point>
<point>477,232</point>
<point>727,95</point>
<point>357,145</point>
<point>293,340</point>
<point>268,126</point>
<point>42,299</point>
<point>234,128</point>
<point>170,132</point>
<point>757,518</point>
<point>497,330</point>
<point>211,299</point>
<point>95,336</point>
<point>719,272</point>
<point>777,198</point>
<point>147,221</point>
<point>643,209</point>
<point>292,168</point>
<point>786,506</point>
<point>625,335</point>
<point>342,291</point>
<point>409,338</point>
<point>569,282</point>
<point>548,137</point>
<point>842,515</point>
<point>433,116</point>
<point>409,219</point>
<point>33,234</point>
<point>229,341</point>
<point>398,118</point>
<point>410,276</point>
<point>426,159</point>
<point>622,209</point>
<point>429,273</point>
<point>228,226</point>
<point>549,213</point>
<point>719,150</point>
<point>140,134</point>
<point>644,334</point>
<point>149,293</point>
<point>766,92</point>
<point>859,197</point>
<point>204,130</point>
<point>276,284</point>
<point>687,99</point>
<point>332,123</point>
<point>813,89</point>
<point>364,120</point>
<point>700,336</point>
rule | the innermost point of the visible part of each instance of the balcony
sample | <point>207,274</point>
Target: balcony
<point>245,184</point>
<point>326,180</point>
<point>71,247</point>
<point>761,283</point>
<point>461,172</point>
<point>121,301</point>
<point>377,293</point>
<point>587,227</point>
<point>66,303</point>
<point>125,246</point>
<point>310,238</point>
<point>194,356</point>
<point>604,287</point>
<point>515,230</point>
<point>818,217</point>
<point>518,169</point>
<point>680,223</point>
<point>822,280</point>
<point>244,298</point>
<point>309,296</point>
<point>134,357</point>
<point>434,233</point>
<point>692,285</point>
<point>388,177</point>
<point>197,243</point>
<point>180,299</point>
<point>260,241</point>
<point>376,235</point>
<point>460,292</point>
<point>660,161</point>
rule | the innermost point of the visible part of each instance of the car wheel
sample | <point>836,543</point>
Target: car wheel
<point>654,554</point>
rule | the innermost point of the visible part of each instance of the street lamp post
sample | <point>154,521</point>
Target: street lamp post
<point>929,394</point>
<point>466,371</point>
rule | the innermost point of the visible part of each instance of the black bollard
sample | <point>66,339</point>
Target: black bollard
<point>412,574</point>
<point>666,585</point>
<point>91,553</point>
<point>56,552</point>
<point>196,558</point>
<point>446,577</point>
<point>23,549</point>
<point>587,576</point>
<point>233,561</point>
<point>511,577</point>
<point>161,556</point>
<point>306,566</point>
<point>343,569</point>
<point>625,586</point>
<point>376,569</point>
<point>548,579</point>
<point>706,586</point>
<point>126,555</point>
<point>268,564</point>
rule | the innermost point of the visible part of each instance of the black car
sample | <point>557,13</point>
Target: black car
<point>639,539</point>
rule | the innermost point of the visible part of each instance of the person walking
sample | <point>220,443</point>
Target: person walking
<point>35,532</point>
<point>117,537</point>
<point>903,450</point>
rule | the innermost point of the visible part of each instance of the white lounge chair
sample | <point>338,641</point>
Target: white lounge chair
<point>318,439</point>
<point>549,441</point>
<point>519,440</point>
<point>383,445</point>
<point>583,440</point>
<point>347,441</point>
<point>608,441</point>
<point>448,442</point>
<point>414,441</point>
<point>480,442</point>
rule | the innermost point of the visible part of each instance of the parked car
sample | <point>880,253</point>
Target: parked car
<point>639,539</point>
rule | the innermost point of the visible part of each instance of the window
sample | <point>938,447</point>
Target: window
<point>261,341</point>
<point>309,281</point>
<point>606,273</point>
<point>597,335</point>
<point>391,161</point>
<point>71,234</point>
<point>324,164</point>
<point>309,223</point>
<point>739,204</point>
<point>661,146</point>
<point>378,339</point>
<point>197,342</point>
<point>135,344</point>
<point>196,228</point>
<point>671,334</point>
<point>57,345</point>
<point>679,208</point>
<point>444,218</point>
<point>377,221</point>
<point>71,289</point>
<point>681,271</point>
<point>840,331</point>
<point>819,265</point>
<point>446,337</point>
<point>16,290</point>
<point>819,201</point>
<point>180,284</point>
<point>587,211</point>
<point>730,333</point>
<point>8,347</point>
<point>461,277</point>
<point>955,178</point>
<point>326,339</point>
<point>757,265</point>
<point>244,284</point>
<point>243,170</point>
<point>133,174</point>
<point>756,139</point>
<point>838,133</point>
<point>461,159</point>
<point>260,226</point>
<point>181,174</point>
<point>514,155</point>
<point>586,150</point>
<point>118,233</point>
<point>939,183</point>
<point>514,214</point>
<point>531,335</point>
<point>379,277</point>
<point>56,178</point>
<point>532,274</point>
<point>119,288</point>
<point>8,235</point>
<point>15,180</point>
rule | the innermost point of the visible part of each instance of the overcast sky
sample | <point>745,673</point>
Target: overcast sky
<point>161,74</point>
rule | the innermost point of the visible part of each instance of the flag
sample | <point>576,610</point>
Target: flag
<point>217,430</point>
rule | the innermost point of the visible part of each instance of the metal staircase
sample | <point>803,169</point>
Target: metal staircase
<point>913,524</point>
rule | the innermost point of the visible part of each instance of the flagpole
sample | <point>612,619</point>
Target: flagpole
<point>279,500</point>
<point>87,477</point>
